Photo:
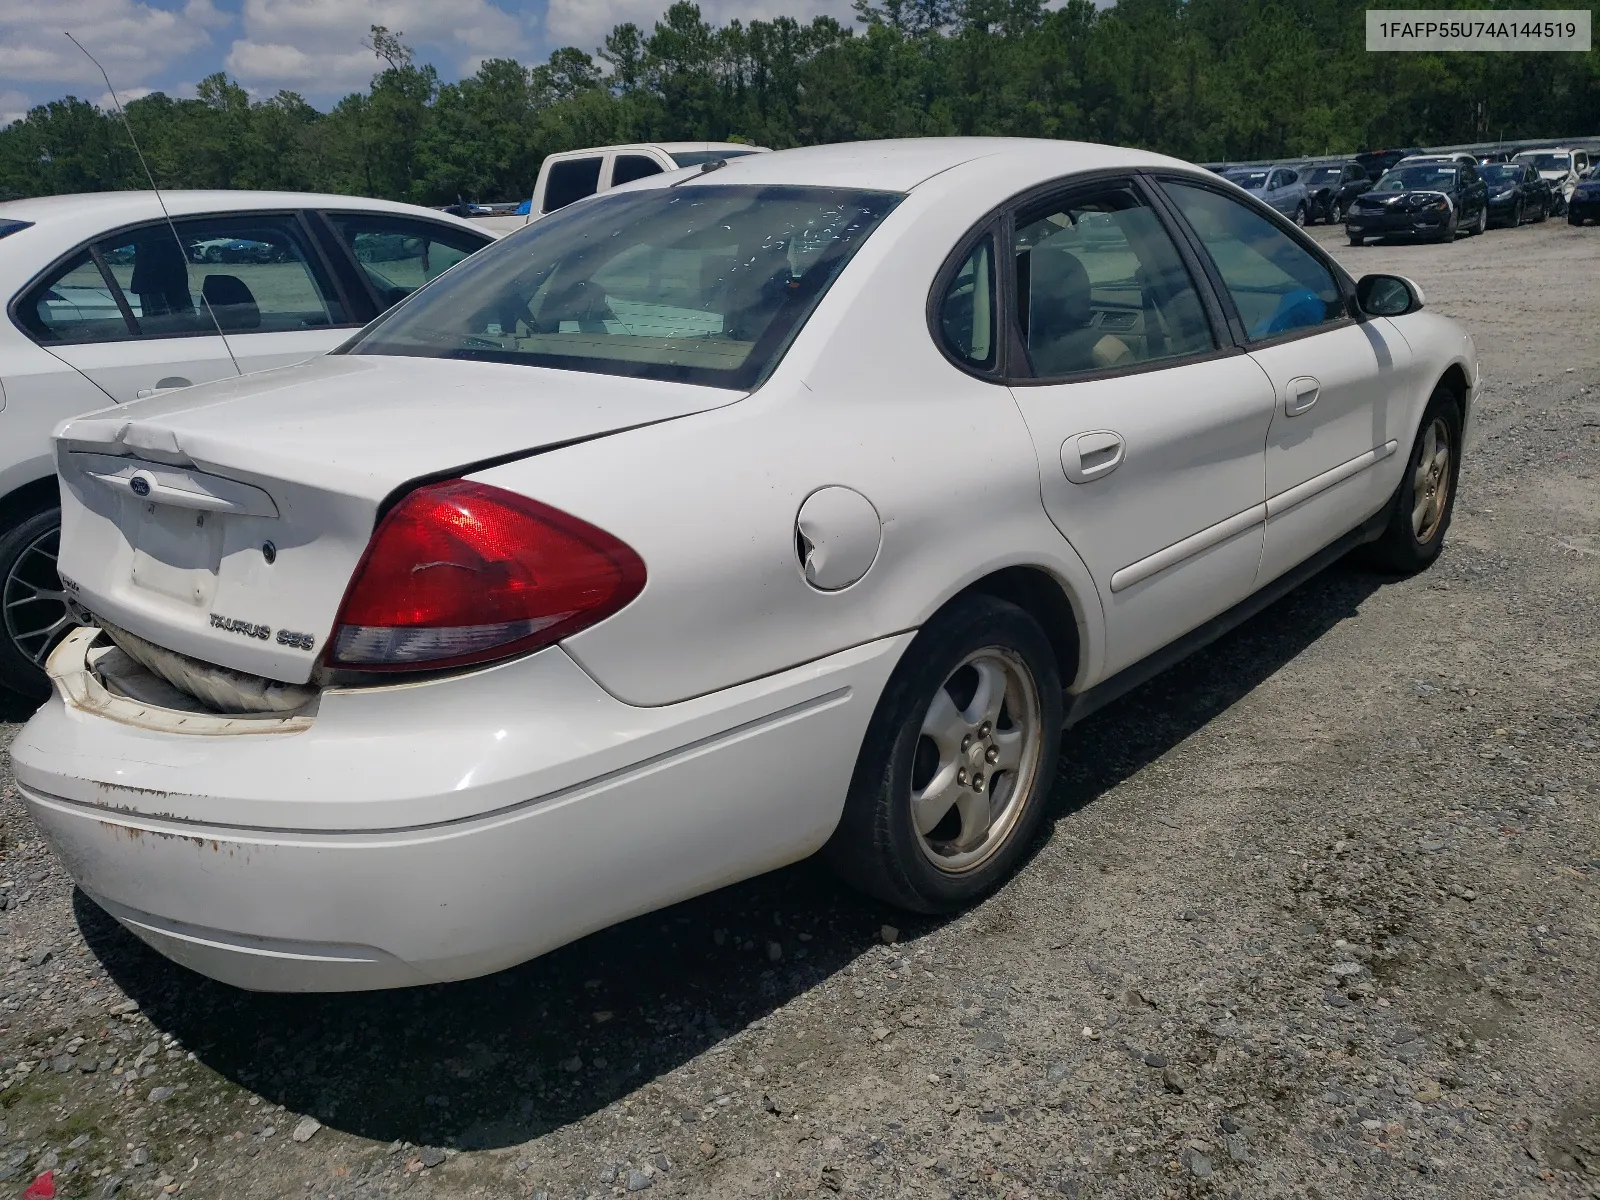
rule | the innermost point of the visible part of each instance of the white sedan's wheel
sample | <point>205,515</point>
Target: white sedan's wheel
<point>33,606</point>
<point>976,759</point>
<point>957,762</point>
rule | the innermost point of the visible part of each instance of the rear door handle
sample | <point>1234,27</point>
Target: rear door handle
<point>1090,456</point>
<point>1299,395</point>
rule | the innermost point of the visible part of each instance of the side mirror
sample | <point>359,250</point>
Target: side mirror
<point>1388,295</point>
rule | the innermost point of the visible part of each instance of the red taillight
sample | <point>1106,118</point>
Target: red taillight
<point>462,573</point>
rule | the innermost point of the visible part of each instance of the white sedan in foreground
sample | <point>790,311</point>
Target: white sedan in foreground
<point>735,515</point>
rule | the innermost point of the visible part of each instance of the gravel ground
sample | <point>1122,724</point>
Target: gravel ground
<point>1316,915</point>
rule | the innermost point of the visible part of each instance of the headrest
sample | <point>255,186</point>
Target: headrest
<point>232,302</point>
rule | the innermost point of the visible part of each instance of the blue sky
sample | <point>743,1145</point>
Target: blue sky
<point>313,47</point>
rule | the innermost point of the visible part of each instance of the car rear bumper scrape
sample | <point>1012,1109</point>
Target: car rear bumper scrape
<point>435,831</point>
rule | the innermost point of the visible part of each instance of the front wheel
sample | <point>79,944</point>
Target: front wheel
<point>1516,216</point>
<point>1300,215</point>
<point>1357,240</point>
<point>1426,497</point>
<point>1483,221</point>
<point>32,602</point>
<point>957,762</point>
<point>1337,216</point>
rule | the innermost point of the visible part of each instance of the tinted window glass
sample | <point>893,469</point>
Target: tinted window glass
<point>10,227</point>
<point>571,180</point>
<point>74,305</point>
<point>629,167</point>
<point>398,255</point>
<point>254,274</point>
<point>966,314</point>
<point>701,284</point>
<point>1276,284</point>
<point>1100,285</point>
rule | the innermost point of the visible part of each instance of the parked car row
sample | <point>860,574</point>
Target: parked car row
<point>1402,193</point>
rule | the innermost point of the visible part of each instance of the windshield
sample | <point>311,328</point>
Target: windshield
<point>1500,174</point>
<point>695,284</point>
<point>1418,179</point>
<point>1319,176</point>
<point>1249,180</point>
<point>693,158</point>
<point>1547,162</point>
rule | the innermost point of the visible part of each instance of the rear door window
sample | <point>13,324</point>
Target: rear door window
<point>397,255</point>
<point>246,273</point>
<point>571,180</point>
<point>629,167</point>
<point>1100,286</point>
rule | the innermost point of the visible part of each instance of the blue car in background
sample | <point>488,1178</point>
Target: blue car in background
<point>1280,187</point>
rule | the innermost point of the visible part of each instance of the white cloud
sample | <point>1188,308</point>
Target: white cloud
<point>585,23</point>
<point>318,44</point>
<point>132,39</point>
<point>126,95</point>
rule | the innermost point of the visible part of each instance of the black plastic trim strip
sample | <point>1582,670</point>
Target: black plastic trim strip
<point>1124,681</point>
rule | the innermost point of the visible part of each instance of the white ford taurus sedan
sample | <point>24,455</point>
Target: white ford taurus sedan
<point>741,513</point>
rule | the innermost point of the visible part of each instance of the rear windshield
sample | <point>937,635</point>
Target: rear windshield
<point>1419,179</point>
<point>695,284</point>
<point>693,158</point>
<point>1547,162</point>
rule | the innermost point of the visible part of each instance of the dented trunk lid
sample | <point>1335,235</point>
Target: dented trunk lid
<point>224,521</point>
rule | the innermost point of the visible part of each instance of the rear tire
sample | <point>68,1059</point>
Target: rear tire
<point>1426,498</point>
<point>33,613</point>
<point>957,763</point>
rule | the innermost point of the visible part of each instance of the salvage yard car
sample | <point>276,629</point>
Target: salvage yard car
<point>1561,167</point>
<point>1279,187</point>
<point>1433,202</point>
<point>1585,203</point>
<point>1517,193</point>
<point>107,301</point>
<point>790,506</point>
<point>1331,188</point>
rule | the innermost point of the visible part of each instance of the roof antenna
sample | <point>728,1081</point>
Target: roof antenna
<point>182,252</point>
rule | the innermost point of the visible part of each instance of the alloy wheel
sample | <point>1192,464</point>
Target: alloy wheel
<point>977,760</point>
<point>34,604</point>
<point>1430,481</point>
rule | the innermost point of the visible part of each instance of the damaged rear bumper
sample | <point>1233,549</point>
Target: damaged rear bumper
<point>423,832</point>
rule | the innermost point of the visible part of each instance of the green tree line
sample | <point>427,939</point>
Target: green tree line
<point>1202,79</point>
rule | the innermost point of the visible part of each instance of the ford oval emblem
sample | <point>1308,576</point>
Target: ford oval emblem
<point>140,485</point>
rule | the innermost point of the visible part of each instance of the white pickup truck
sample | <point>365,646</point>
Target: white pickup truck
<point>574,174</point>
